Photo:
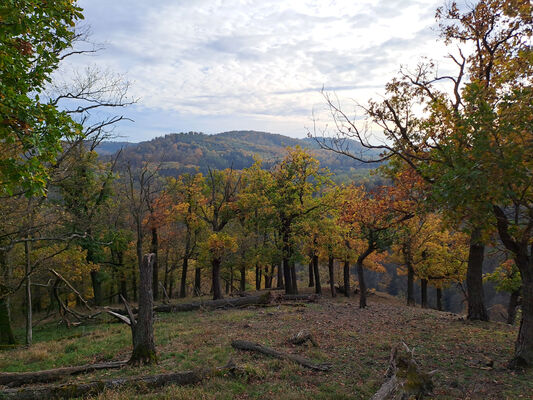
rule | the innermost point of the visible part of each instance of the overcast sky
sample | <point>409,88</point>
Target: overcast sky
<point>219,65</point>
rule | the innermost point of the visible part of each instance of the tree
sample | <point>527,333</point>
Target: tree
<point>185,194</point>
<point>32,37</point>
<point>142,330</point>
<point>296,181</point>
<point>507,278</point>
<point>369,217</point>
<point>217,209</point>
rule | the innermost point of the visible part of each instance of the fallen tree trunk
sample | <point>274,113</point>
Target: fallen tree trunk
<point>216,304</point>
<point>263,299</point>
<point>404,378</point>
<point>310,298</point>
<point>205,305</point>
<point>251,346</point>
<point>68,391</point>
<point>14,379</point>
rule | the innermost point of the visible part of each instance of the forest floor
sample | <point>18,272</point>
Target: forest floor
<point>470,356</point>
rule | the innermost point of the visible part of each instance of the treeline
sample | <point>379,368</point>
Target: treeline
<point>222,233</point>
<point>191,152</point>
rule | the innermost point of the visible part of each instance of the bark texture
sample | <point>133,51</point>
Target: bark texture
<point>331,269</point>
<point>144,351</point>
<point>347,278</point>
<point>474,279</point>
<point>410,285</point>
<point>69,391</point>
<point>15,379</point>
<point>424,293</point>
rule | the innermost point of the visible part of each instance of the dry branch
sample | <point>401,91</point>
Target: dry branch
<point>61,278</point>
<point>14,379</point>
<point>256,347</point>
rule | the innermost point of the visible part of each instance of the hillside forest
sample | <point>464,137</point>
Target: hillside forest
<point>439,215</point>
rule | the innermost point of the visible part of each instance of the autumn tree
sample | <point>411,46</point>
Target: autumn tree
<point>217,208</point>
<point>296,181</point>
<point>370,218</point>
<point>492,37</point>
<point>185,193</point>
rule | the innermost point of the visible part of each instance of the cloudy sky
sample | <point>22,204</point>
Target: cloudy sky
<point>219,65</point>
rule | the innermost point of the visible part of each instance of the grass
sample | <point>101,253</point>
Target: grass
<point>357,343</point>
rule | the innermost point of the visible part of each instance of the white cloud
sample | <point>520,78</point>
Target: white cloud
<point>256,60</point>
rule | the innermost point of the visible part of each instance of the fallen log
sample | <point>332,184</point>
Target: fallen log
<point>216,304</point>
<point>404,378</point>
<point>256,347</point>
<point>310,298</point>
<point>14,379</point>
<point>237,302</point>
<point>93,388</point>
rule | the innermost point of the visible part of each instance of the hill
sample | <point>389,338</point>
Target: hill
<point>190,152</point>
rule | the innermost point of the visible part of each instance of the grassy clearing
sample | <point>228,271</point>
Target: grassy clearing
<point>357,342</point>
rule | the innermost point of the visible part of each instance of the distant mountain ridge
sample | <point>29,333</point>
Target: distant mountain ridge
<point>190,152</point>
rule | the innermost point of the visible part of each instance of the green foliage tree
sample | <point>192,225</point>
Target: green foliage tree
<point>32,36</point>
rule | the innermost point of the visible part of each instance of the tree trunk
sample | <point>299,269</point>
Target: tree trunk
<point>318,287</point>
<point>6,333</point>
<point>96,280</point>
<point>331,268</point>
<point>410,285</point>
<point>217,290</point>
<point>279,283</point>
<point>231,278</point>
<point>347,278</point>
<point>269,277</point>
<point>523,356</point>
<point>29,331</point>
<point>155,272</point>
<point>294,281</point>
<point>142,330</point>
<point>251,346</point>
<point>137,383</point>
<point>287,276</point>
<point>197,281</point>
<point>362,284</point>
<point>439,299</point>
<point>134,285</point>
<point>511,308</point>
<point>171,283</point>
<point>311,274</point>
<point>183,283</point>
<point>258,277</point>
<point>242,285</point>
<point>123,284</point>
<point>287,271</point>
<point>424,293</point>
<point>474,279</point>
<point>16,379</point>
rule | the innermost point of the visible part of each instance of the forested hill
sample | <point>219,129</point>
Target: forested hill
<point>188,152</point>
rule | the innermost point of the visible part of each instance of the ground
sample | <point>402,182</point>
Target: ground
<point>470,357</point>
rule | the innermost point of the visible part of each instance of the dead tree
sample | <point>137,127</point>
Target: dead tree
<point>404,378</point>
<point>142,329</point>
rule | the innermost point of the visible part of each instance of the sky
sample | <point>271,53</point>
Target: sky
<point>219,65</point>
